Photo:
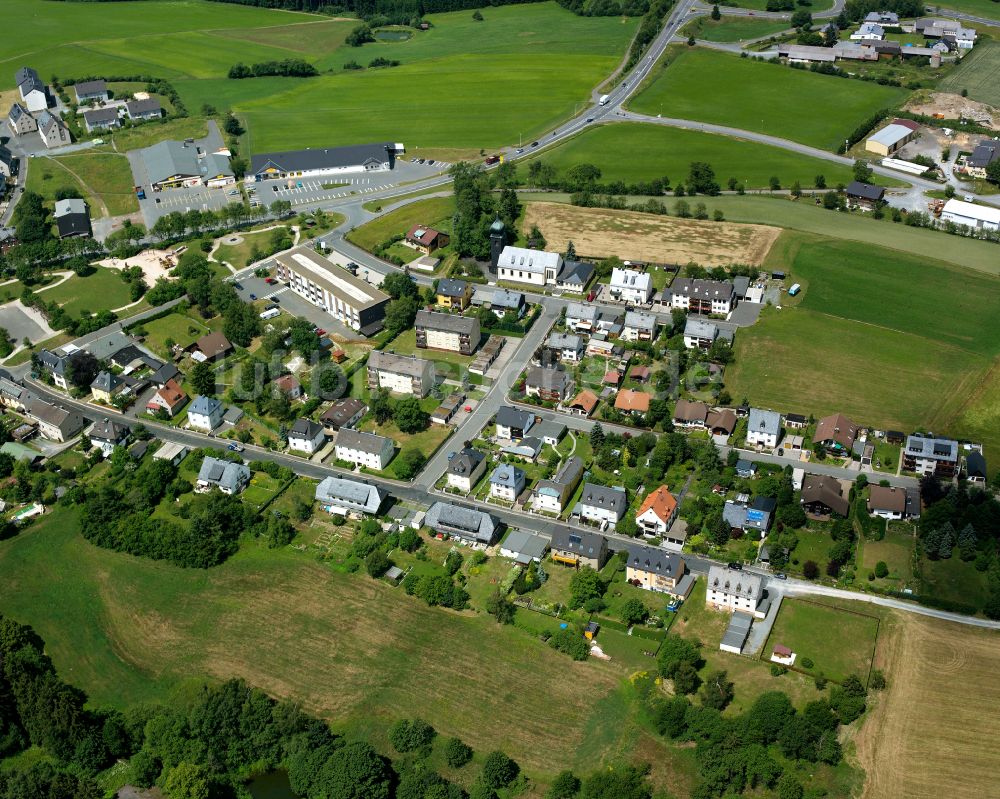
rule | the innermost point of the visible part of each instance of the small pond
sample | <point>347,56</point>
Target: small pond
<point>392,35</point>
<point>274,785</point>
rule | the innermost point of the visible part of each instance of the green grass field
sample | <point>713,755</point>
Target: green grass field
<point>838,642</point>
<point>659,151</point>
<point>733,29</point>
<point>896,551</point>
<point>979,72</point>
<point>107,178</point>
<point>179,327</point>
<point>421,212</point>
<point>103,290</point>
<point>711,86</point>
<point>981,8</point>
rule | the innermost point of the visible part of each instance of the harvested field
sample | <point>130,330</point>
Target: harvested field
<point>599,232</point>
<point>933,731</point>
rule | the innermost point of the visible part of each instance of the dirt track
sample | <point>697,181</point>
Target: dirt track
<point>599,232</point>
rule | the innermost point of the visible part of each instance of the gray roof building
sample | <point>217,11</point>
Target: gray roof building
<point>143,109</point>
<point>361,441</point>
<point>735,514</point>
<point>449,287</point>
<point>465,523</point>
<point>597,496</point>
<point>170,162</point>
<point>578,312</point>
<point>767,422</point>
<point>938,449</point>
<point>109,431</point>
<point>514,417</point>
<point>101,118</point>
<point>465,462</point>
<point>524,546</point>
<point>338,494</point>
<point>580,542</point>
<point>451,323</point>
<point>342,412</point>
<point>409,365</point>
<point>206,406</point>
<point>698,328</point>
<point>866,191</point>
<point>91,89</point>
<point>72,218</point>
<point>306,429</point>
<point>733,582</point>
<point>267,165</point>
<point>106,381</point>
<point>654,560</point>
<point>228,476</point>
<point>508,476</point>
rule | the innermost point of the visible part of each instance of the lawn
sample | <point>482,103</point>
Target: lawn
<point>839,642</point>
<point>896,551</point>
<point>127,629</point>
<point>102,290</point>
<point>107,181</point>
<point>421,212</point>
<point>239,255</point>
<point>979,72</point>
<point>656,151</point>
<point>427,441</point>
<point>733,29</point>
<point>147,135</point>
<point>711,86</point>
<point>181,328</point>
<point>953,579</point>
<point>406,344</point>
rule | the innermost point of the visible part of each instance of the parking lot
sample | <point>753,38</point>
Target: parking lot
<point>289,302</point>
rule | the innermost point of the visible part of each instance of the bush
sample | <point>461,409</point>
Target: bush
<point>407,736</point>
<point>881,569</point>
<point>807,663</point>
<point>457,753</point>
<point>499,771</point>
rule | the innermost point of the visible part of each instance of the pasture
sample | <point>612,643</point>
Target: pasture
<point>978,73</point>
<point>127,629</point>
<point>597,232</point>
<point>711,86</point>
<point>942,677</point>
<point>839,642</point>
<point>733,29</point>
<point>655,152</point>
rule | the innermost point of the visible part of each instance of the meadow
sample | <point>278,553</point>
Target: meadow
<point>421,212</point>
<point>102,290</point>
<point>105,179</point>
<point>655,151</point>
<point>839,642</point>
<point>978,73</point>
<point>711,86</point>
<point>733,29</point>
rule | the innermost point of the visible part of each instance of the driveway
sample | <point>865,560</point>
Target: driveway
<point>22,323</point>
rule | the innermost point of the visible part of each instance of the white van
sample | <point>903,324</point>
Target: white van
<point>270,313</point>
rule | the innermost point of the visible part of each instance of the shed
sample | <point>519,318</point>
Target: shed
<point>737,633</point>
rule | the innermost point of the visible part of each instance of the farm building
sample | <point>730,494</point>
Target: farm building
<point>971,215</point>
<point>893,136</point>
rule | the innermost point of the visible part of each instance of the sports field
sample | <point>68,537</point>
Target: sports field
<point>978,73</point>
<point>838,642</point>
<point>711,86</point>
<point>931,729</point>
<point>127,629</point>
<point>655,152</point>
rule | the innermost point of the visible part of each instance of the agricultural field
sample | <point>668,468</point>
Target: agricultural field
<point>711,86</point>
<point>733,29</point>
<point>100,291</point>
<point>979,72</point>
<point>839,642</point>
<point>941,677</point>
<point>597,232</point>
<point>656,151</point>
<point>421,212</point>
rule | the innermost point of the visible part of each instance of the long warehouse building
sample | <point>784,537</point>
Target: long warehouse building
<point>325,161</point>
<point>347,299</point>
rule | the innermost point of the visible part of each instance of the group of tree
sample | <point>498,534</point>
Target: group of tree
<point>401,312</point>
<point>477,207</point>
<point>287,67</point>
<point>405,412</point>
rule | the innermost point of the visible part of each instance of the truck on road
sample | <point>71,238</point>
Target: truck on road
<point>604,99</point>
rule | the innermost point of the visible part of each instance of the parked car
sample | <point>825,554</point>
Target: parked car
<point>238,285</point>
<point>270,281</point>
<point>735,566</point>
<point>253,296</point>
<point>140,192</point>
<point>781,576</point>
<point>234,447</point>
<point>320,331</point>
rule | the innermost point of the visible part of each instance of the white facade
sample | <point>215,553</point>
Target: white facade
<point>206,422</point>
<point>301,443</point>
<point>631,286</point>
<point>395,382</point>
<point>364,455</point>
<point>548,500</point>
<point>504,492</point>
<point>534,267</point>
<point>35,100</point>
<point>971,215</point>
<point>732,590</point>
<point>443,340</point>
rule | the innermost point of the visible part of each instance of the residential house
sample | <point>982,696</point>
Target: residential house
<point>690,415</point>
<point>763,429</point>
<point>601,504</point>
<point>500,301</point>
<point>230,478</point>
<point>142,110</point>
<point>306,436</point>
<point>402,374</point>
<point>574,276</point>
<point>888,502</point>
<point>863,195</point>
<point>950,30</point>
<point>72,218</point>
<point>19,121</point>
<point>868,32</point>
<point>823,495</point>
<point>34,94</point>
<point>14,395</point>
<point>465,468</point>
<point>576,548</point>
<point>549,384</point>
<point>732,590</point>
<point>345,412</point>
<point>975,468</point>
<point>640,374</point>
<point>449,332</point>
<point>524,547</point>
<point>699,333</point>
<point>471,526</point>
<point>88,91</point>
<point>699,296</point>
<point>170,398</point>
<point>507,482</point>
<point>550,433</point>
<point>346,298</point>
<point>100,119</point>
<point>926,455</point>
<point>106,386</point>
<point>553,495</point>
<point>534,267</point>
<point>653,569</point>
<point>889,18</point>
<point>108,434</point>
<point>583,404</point>
<point>513,424</point>
<point>836,433</point>
<point>55,422</point>
<point>164,374</point>
<point>364,449</point>
<point>211,347</point>
<point>639,326</point>
<point>795,421</point>
<point>565,347</point>
<point>53,130</point>
<point>891,138</point>
<point>734,513</point>
<point>657,513</point>
<point>56,363</point>
<point>759,514</point>
<point>8,165</point>
<point>527,449</point>
<point>746,469</point>
<point>426,239</point>
<point>581,318</point>
<point>341,496</point>
<point>985,154</point>
<point>455,294</point>
<point>289,386</point>
<point>205,413</point>
<point>629,285</point>
<point>721,422</point>
<point>633,403</point>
